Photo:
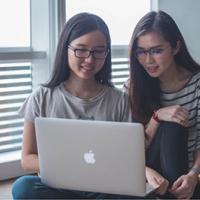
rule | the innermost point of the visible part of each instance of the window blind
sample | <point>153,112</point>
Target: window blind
<point>120,71</point>
<point>15,86</point>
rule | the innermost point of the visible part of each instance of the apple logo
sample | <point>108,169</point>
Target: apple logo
<point>89,157</point>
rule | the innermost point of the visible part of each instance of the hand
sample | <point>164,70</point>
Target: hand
<point>174,113</point>
<point>184,186</point>
<point>157,181</point>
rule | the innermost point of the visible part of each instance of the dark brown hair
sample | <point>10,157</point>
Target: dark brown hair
<point>77,26</point>
<point>144,91</point>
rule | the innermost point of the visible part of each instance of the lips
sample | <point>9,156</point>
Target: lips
<point>152,69</point>
<point>87,69</point>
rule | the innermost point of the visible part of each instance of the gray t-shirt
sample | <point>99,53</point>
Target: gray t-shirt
<point>110,104</point>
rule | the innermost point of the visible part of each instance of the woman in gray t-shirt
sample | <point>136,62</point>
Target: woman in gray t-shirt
<point>80,88</point>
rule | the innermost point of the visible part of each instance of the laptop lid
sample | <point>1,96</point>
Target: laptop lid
<point>96,156</point>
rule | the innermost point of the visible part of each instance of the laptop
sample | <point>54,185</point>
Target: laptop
<point>88,155</point>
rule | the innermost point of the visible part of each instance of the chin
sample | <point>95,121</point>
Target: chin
<point>154,75</point>
<point>84,77</point>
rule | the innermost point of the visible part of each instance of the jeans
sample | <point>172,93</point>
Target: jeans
<point>31,187</point>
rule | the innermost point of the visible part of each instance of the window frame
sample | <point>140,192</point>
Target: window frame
<point>45,27</point>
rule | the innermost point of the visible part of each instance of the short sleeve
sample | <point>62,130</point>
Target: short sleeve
<point>31,107</point>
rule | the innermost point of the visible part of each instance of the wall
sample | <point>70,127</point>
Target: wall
<point>187,16</point>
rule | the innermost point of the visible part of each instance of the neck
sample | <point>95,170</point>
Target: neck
<point>174,79</point>
<point>84,89</point>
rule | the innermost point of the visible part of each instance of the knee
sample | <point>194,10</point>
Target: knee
<point>23,187</point>
<point>175,129</point>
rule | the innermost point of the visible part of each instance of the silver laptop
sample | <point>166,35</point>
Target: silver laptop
<point>96,156</point>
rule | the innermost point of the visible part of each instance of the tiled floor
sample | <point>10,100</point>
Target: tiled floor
<point>5,189</point>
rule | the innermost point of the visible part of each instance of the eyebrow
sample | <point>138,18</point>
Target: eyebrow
<point>154,47</point>
<point>85,46</point>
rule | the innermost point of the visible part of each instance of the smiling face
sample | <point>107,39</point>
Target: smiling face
<point>86,68</point>
<point>155,54</point>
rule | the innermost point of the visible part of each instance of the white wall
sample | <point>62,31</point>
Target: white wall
<point>186,13</point>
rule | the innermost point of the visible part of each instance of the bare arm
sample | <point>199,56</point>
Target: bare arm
<point>196,166</point>
<point>29,148</point>
<point>150,131</point>
<point>174,113</point>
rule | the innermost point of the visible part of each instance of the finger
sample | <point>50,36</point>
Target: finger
<point>180,111</point>
<point>157,181</point>
<point>181,115</point>
<point>180,121</point>
<point>154,184</point>
<point>152,181</point>
<point>180,190</point>
<point>176,184</point>
<point>185,111</point>
<point>181,108</point>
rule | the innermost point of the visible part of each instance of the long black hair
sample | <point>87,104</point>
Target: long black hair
<point>80,24</point>
<point>144,90</point>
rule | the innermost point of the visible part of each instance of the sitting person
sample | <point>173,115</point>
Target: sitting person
<point>164,90</point>
<point>80,88</point>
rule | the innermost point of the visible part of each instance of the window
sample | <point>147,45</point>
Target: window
<point>15,76</point>
<point>20,34</point>
<point>15,30</point>
<point>120,23</point>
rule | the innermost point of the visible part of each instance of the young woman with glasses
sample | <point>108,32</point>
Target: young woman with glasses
<point>80,88</point>
<point>164,90</point>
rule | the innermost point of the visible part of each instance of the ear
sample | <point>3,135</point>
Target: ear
<point>177,48</point>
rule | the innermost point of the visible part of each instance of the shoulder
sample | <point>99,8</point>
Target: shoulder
<point>43,90</point>
<point>195,81</point>
<point>196,77</point>
<point>40,91</point>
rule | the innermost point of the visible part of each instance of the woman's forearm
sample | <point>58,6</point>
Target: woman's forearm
<point>150,131</point>
<point>30,162</point>
<point>196,167</point>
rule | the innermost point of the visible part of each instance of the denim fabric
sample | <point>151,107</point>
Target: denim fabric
<point>31,187</point>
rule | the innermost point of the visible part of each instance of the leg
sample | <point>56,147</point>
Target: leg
<point>153,152</point>
<point>31,187</point>
<point>173,151</point>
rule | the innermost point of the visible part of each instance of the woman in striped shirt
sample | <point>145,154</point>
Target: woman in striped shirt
<point>164,90</point>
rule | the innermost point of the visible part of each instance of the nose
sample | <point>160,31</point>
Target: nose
<point>90,58</point>
<point>148,58</point>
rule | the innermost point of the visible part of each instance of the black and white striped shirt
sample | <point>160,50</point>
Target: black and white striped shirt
<point>188,97</point>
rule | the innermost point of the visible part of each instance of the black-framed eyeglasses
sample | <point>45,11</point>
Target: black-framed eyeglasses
<point>85,53</point>
<point>155,52</point>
